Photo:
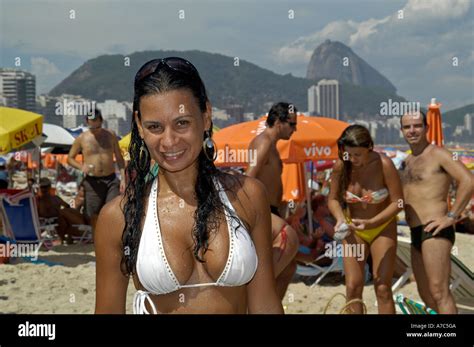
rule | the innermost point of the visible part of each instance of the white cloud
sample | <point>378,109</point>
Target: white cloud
<point>43,67</point>
<point>438,8</point>
<point>296,54</point>
<point>365,30</point>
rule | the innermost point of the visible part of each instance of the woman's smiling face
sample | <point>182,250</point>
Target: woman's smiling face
<point>172,126</point>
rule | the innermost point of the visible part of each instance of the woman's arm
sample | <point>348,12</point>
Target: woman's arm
<point>394,186</point>
<point>111,283</point>
<point>261,291</point>
<point>333,199</point>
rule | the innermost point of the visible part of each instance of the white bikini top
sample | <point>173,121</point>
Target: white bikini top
<point>155,273</point>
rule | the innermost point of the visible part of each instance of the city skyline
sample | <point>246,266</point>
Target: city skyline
<point>414,43</point>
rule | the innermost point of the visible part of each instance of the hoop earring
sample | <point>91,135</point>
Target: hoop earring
<point>209,145</point>
<point>143,157</point>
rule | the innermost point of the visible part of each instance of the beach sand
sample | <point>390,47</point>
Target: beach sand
<point>70,288</point>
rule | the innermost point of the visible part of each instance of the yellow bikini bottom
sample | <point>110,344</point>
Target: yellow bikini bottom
<point>369,235</point>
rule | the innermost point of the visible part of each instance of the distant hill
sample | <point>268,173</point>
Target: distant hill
<point>249,85</point>
<point>456,116</point>
<point>328,61</point>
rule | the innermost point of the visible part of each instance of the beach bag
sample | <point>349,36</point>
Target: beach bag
<point>346,308</point>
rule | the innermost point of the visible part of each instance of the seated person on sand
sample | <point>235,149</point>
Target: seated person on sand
<point>52,206</point>
<point>312,246</point>
<point>74,215</point>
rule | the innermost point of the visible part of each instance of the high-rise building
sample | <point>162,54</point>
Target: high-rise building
<point>119,126</point>
<point>328,98</point>
<point>117,115</point>
<point>110,108</point>
<point>73,109</point>
<point>18,88</point>
<point>313,100</point>
<point>468,123</point>
<point>46,105</point>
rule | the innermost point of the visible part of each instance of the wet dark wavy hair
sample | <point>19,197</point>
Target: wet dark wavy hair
<point>353,136</point>
<point>209,209</point>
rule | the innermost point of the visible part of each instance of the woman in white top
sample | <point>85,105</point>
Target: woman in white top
<point>194,239</point>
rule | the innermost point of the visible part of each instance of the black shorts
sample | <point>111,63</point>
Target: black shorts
<point>274,210</point>
<point>98,191</point>
<point>418,235</point>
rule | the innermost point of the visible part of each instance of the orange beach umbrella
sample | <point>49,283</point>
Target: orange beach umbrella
<point>293,180</point>
<point>314,139</point>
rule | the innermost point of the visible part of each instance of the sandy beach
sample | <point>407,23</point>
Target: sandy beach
<point>70,287</point>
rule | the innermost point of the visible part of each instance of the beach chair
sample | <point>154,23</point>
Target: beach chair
<point>48,227</point>
<point>21,222</point>
<point>462,285</point>
<point>404,254</point>
<point>86,236</point>
<point>314,270</point>
<point>461,278</point>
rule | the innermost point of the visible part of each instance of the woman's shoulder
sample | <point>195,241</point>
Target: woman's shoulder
<point>384,161</point>
<point>338,166</point>
<point>113,208</point>
<point>248,196</point>
<point>111,218</point>
<point>247,186</point>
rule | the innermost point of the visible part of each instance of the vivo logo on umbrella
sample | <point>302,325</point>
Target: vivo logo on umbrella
<point>261,127</point>
<point>317,150</point>
<point>295,193</point>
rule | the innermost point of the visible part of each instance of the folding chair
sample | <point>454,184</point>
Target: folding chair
<point>86,236</point>
<point>461,278</point>
<point>462,285</point>
<point>48,227</point>
<point>21,222</point>
<point>313,270</point>
<point>404,253</point>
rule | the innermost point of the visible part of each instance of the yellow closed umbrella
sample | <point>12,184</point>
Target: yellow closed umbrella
<point>125,142</point>
<point>18,127</point>
<point>123,145</point>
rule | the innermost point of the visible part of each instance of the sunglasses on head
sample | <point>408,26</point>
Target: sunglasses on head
<point>174,63</point>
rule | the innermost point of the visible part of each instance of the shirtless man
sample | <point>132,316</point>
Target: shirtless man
<point>426,177</point>
<point>281,124</point>
<point>98,147</point>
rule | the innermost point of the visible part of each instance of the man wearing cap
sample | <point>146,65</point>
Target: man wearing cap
<point>98,147</point>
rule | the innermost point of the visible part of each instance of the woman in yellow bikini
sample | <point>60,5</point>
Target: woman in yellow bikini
<point>366,195</point>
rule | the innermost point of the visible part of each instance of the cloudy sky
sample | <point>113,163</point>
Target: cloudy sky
<point>424,47</point>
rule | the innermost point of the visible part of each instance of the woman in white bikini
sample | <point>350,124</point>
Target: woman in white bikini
<point>188,236</point>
